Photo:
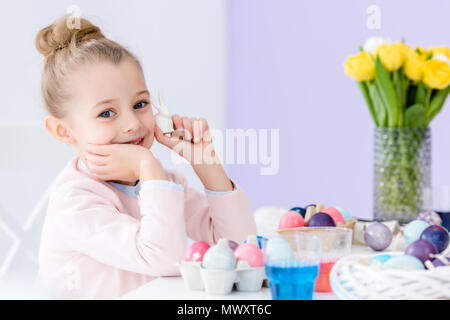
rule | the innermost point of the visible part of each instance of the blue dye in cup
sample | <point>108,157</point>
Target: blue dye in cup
<point>291,279</point>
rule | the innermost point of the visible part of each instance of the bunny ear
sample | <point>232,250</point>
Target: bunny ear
<point>160,96</point>
<point>163,108</point>
<point>153,102</point>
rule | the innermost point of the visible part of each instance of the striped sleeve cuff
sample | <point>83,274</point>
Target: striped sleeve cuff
<point>221,193</point>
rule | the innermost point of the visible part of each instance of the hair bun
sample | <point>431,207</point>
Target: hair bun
<point>59,35</point>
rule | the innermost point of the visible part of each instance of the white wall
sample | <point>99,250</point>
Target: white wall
<point>181,44</point>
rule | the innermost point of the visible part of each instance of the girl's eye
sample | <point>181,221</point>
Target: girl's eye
<point>140,104</point>
<point>106,114</point>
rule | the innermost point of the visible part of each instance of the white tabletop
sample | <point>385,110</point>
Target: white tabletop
<point>173,288</point>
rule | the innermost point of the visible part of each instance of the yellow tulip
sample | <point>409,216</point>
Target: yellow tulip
<point>423,51</point>
<point>436,74</point>
<point>360,67</point>
<point>393,55</point>
<point>441,50</point>
<point>414,65</point>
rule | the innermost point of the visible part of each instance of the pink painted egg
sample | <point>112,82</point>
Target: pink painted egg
<point>335,214</point>
<point>250,253</point>
<point>291,219</point>
<point>195,251</point>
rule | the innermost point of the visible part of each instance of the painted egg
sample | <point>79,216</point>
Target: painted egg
<point>291,219</point>
<point>299,210</point>
<point>344,212</point>
<point>321,219</point>
<point>445,217</point>
<point>421,249</point>
<point>250,253</point>
<point>437,235</point>
<point>379,260</point>
<point>310,205</point>
<point>335,214</point>
<point>378,236</point>
<point>233,244</point>
<point>430,217</point>
<point>403,262</point>
<point>413,230</point>
<point>219,256</point>
<point>278,249</point>
<point>195,251</point>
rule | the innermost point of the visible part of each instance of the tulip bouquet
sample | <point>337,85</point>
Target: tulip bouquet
<point>404,89</point>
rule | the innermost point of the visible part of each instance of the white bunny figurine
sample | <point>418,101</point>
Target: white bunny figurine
<point>163,118</point>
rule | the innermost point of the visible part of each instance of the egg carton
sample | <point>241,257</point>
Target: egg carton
<point>222,282</point>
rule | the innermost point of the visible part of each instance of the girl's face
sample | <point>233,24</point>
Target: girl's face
<point>110,104</point>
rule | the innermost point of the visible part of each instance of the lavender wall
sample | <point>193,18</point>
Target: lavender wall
<point>286,71</point>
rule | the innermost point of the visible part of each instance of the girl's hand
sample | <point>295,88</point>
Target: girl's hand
<point>196,147</point>
<point>121,162</point>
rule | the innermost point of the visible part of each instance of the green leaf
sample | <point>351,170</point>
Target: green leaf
<point>378,105</point>
<point>411,95</point>
<point>399,85</point>
<point>387,92</point>
<point>421,93</point>
<point>437,103</point>
<point>363,86</point>
<point>415,116</point>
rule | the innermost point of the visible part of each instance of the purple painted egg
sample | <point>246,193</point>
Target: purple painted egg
<point>233,244</point>
<point>321,219</point>
<point>437,235</point>
<point>430,217</point>
<point>378,236</point>
<point>421,249</point>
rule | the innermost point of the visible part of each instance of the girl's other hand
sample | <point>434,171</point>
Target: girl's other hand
<point>122,162</point>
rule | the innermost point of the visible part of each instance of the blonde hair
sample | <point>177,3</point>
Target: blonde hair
<point>64,50</point>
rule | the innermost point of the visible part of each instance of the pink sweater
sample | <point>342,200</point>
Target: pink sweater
<point>99,243</point>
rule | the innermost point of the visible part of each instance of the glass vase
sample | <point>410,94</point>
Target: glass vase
<point>402,173</point>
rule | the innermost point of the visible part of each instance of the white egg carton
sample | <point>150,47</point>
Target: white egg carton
<point>222,282</point>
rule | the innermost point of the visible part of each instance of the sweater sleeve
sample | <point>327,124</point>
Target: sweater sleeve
<point>92,225</point>
<point>210,216</point>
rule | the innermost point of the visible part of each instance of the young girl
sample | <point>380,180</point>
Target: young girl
<point>116,219</point>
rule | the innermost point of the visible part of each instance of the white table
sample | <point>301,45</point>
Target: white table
<point>173,288</point>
